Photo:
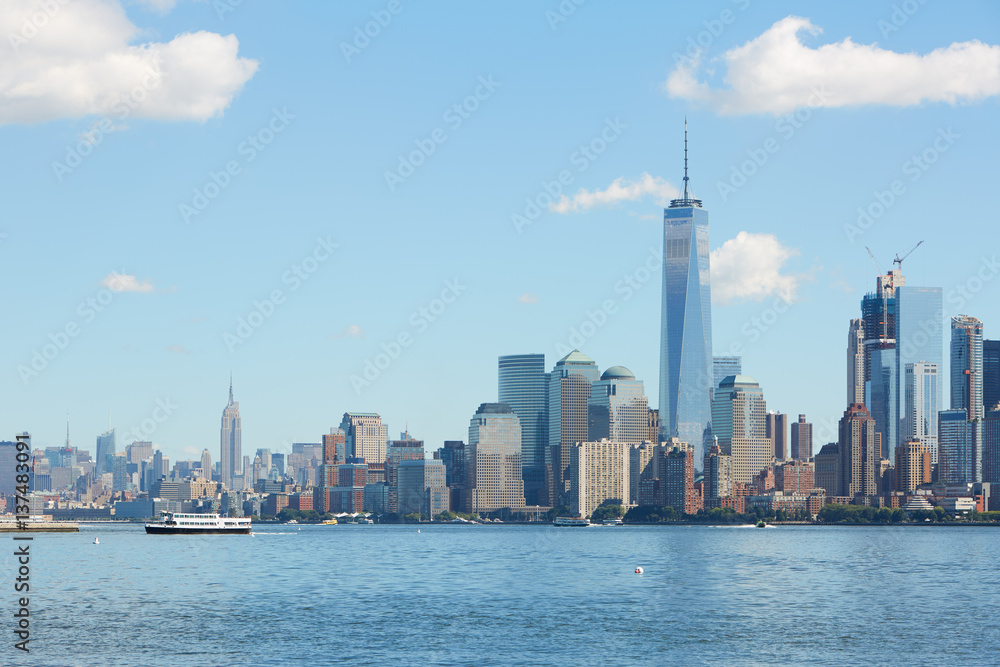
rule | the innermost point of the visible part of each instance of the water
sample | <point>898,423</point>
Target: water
<point>512,595</point>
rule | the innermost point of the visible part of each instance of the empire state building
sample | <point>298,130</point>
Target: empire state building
<point>230,446</point>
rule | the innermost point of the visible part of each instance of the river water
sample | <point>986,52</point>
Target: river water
<point>511,595</point>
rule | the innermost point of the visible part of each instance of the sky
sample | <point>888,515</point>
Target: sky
<point>360,206</point>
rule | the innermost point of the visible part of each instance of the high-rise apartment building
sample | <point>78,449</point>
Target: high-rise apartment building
<point>739,416</point>
<point>569,397</point>
<point>860,453</point>
<point>959,461</point>
<point>856,362</point>
<point>618,409</point>
<point>913,465</point>
<point>599,472</point>
<point>686,372</point>
<point>365,436</point>
<point>802,439</point>
<point>643,464</point>
<point>398,452</point>
<point>677,479</point>
<point>523,385</point>
<point>231,442</point>
<point>827,469</point>
<point>776,429</point>
<point>453,457</point>
<point>795,477</point>
<point>494,460</point>
<point>718,474</point>
<point>967,385</point>
<point>920,406</point>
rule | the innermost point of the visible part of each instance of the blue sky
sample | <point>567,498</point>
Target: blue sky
<point>236,163</point>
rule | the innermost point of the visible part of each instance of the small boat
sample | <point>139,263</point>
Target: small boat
<point>291,522</point>
<point>330,522</point>
<point>761,524</point>
<point>96,541</point>
<point>612,522</point>
<point>569,521</point>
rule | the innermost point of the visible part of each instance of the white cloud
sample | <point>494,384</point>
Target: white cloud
<point>124,282</point>
<point>528,297</point>
<point>159,6</point>
<point>748,268</point>
<point>620,190</point>
<point>81,61</point>
<point>176,349</point>
<point>352,331</point>
<point>776,73</point>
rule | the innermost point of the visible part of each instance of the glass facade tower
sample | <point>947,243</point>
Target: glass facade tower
<point>921,405</point>
<point>105,450</point>
<point>523,385</point>
<point>686,366</point>
<point>919,339</point>
<point>618,409</point>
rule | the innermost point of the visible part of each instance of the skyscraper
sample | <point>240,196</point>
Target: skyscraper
<point>920,406</point>
<point>991,374</point>
<point>957,462</point>
<point>919,324</point>
<point>569,395</point>
<point>776,429</point>
<point>523,385</point>
<point>859,452</point>
<point>913,465</point>
<point>802,439</point>
<point>494,460</point>
<point>739,422</point>
<point>206,464</point>
<point>105,450</point>
<point>991,446</point>
<point>967,387</point>
<point>618,409</point>
<point>723,367</point>
<point>856,362</point>
<point>686,373</point>
<point>365,436</point>
<point>878,311</point>
<point>231,443</point>
<point>599,471</point>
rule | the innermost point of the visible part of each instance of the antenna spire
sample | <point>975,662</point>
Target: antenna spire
<point>230,387</point>
<point>685,157</point>
<point>687,201</point>
<point>67,430</point>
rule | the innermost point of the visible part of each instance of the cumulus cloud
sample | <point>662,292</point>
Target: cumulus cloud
<point>620,190</point>
<point>748,268</point>
<point>124,282</point>
<point>776,73</point>
<point>79,59</point>
<point>352,331</point>
<point>528,297</point>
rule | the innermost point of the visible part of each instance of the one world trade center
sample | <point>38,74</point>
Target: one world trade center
<point>686,323</point>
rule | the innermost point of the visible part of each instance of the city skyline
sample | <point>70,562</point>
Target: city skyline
<point>151,342</point>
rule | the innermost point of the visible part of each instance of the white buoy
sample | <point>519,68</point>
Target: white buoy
<point>96,541</point>
<point>638,570</point>
<point>252,535</point>
<point>418,530</point>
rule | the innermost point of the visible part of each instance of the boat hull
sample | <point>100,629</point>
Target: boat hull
<point>176,530</point>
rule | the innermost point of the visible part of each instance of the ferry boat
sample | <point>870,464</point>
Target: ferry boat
<point>613,522</point>
<point>195,524</point>
<point>329,522</point>
<point>570,521</point>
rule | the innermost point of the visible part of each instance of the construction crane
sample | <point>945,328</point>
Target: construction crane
<point>874,261</point>
<point>899,260</point>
